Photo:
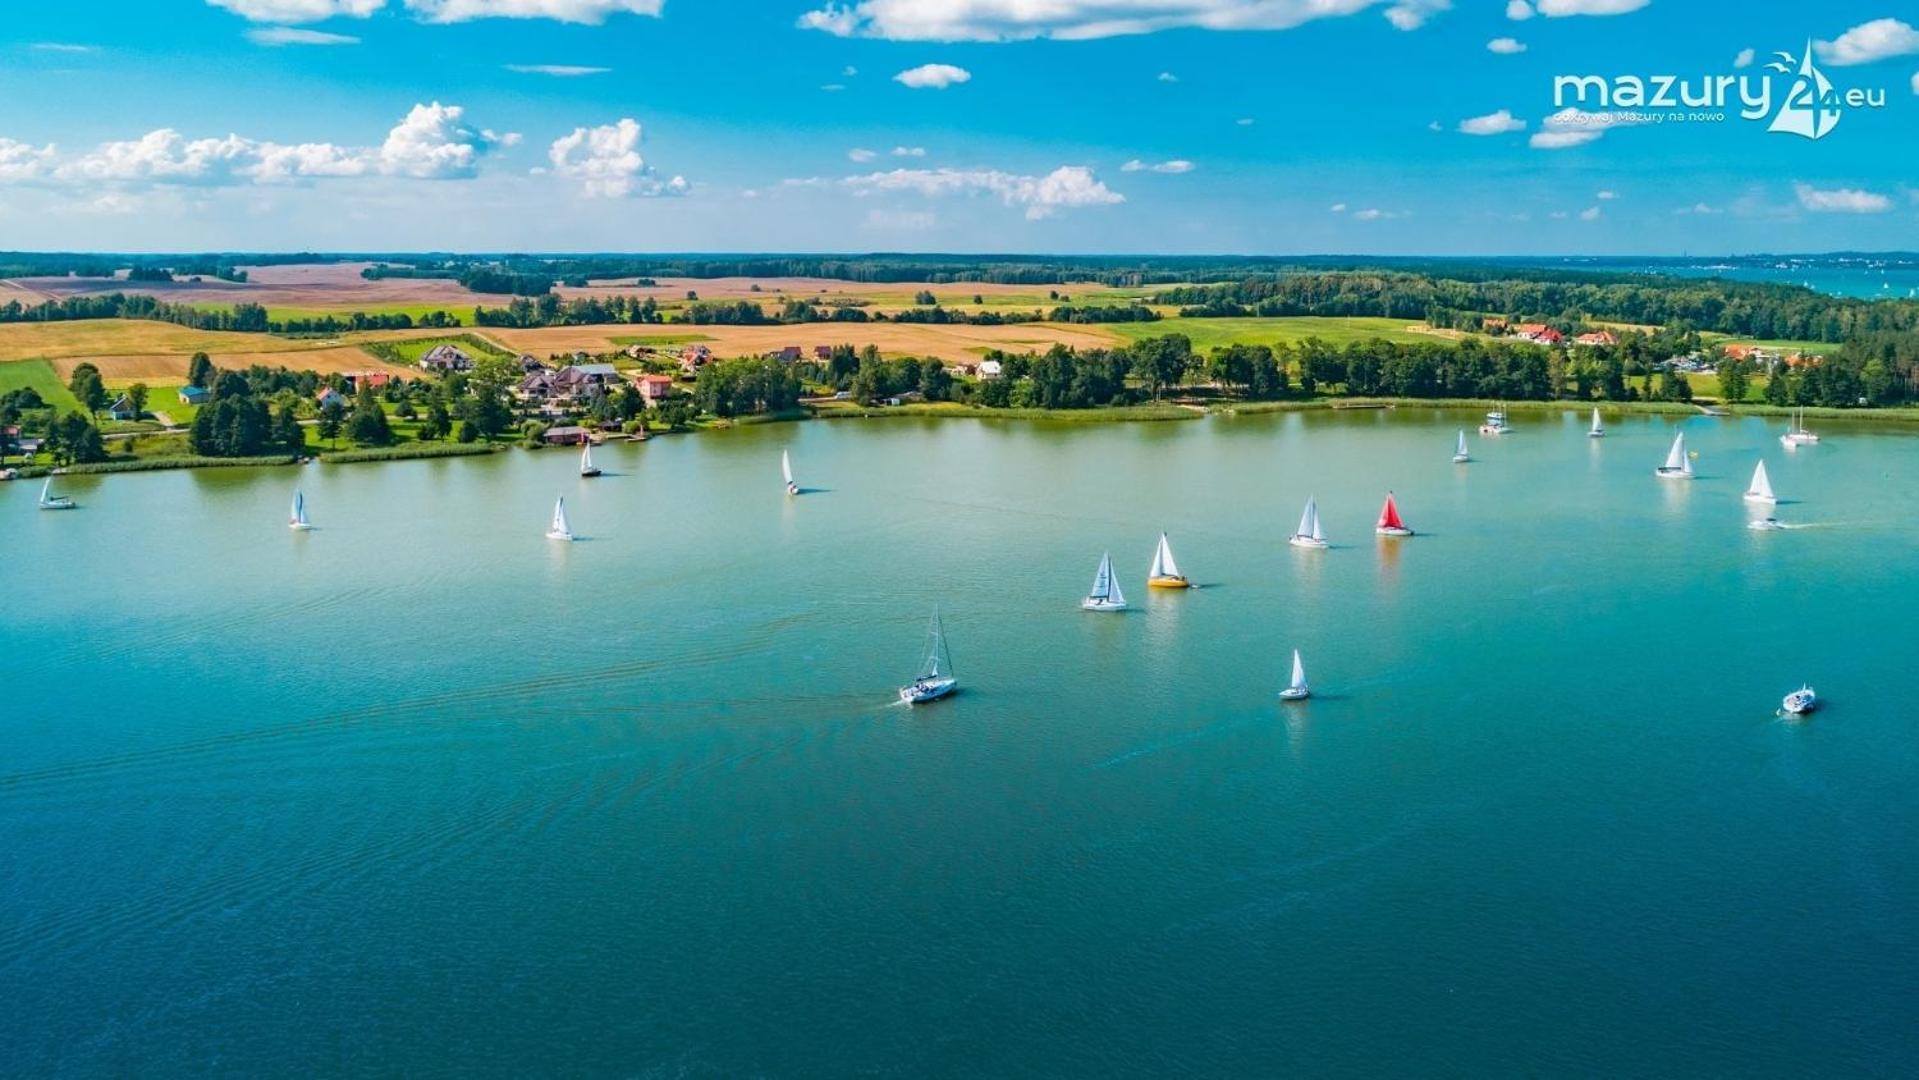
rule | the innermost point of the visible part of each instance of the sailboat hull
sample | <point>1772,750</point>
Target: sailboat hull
<point>792,488</point>
<point>1092,604</point>
<point>555,534</point>
<point>299,526</point>
<point>1313,543</point>
<point>1168,583</point>
<point>1756,497</point>
<point>590,471</point>
<point>925,690</point>
<point>1392,530</point>
<point>1667,472</point>
<point>1295,693</point>
<point>1461,459</point>
<point>58,503</point>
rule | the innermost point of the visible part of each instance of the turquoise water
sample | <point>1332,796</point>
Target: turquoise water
<point>422,792</point>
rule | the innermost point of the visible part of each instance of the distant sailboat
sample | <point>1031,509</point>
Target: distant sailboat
<point>1796,433</point>
<point>1760,490</point>
<point>1460,456</point>
<point>786,470</point>
<point>1678,466</point>
<point>1598,430</point>
<point>935,679</point>
<point>50,501</point>
<point>587,468</point>
<point>1105,594</point>
<point>559,530</point>
<point>1308,535</point>
<point>1389,523</point>
<point>1297,690</point>
<point>297,517</point>
<point>1495,423</point>
<point>1165,572</point>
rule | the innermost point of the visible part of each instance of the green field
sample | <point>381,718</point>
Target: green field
<point>1207,334</point>
<point>38,374</point>
<point>1817,348</point>
<point>408,353</point>
<point>659,339</point>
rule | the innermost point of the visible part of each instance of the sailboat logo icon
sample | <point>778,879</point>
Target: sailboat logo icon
<point>1810,107</point>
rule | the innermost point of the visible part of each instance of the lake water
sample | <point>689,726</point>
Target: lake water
<point>423,792</point>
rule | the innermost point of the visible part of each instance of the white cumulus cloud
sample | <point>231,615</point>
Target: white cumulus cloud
<point>1067,187</point>
<point>1558,9</point>
<point>1743,59</point>
<point>1167,76</point>
<point>558,71</point>
<point>433,143</point>
<point>606,161</point>
<point>1591,213</point>
<point>1506,46</point>
<point>1412,14</point>
<point>1017,20</point>
<point>1518,10</point>
<point>1870,41</point>
<point>299,11</point>
<point>1495,123</point>
<point>861,155</point>
<point>23,161</point>
<point>589,12</point>
<point>1841,200</point>
<point>933,76</point>
<point>909,151</point>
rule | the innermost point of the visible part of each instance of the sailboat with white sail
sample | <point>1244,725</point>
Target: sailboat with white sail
<point>297,516</point>
<point>935,679</point>
<point>587,468</point>
<point>1598,430</point>
<point>1796,433</point>
<point>1389,520</point>
<point>786,470</point>
<point>1297,690</point>
<point>1105,594</point>
<point>1165,572</point>
<point>1678,466</point>
<point>1460,456</point>
<point>1308,535</point>
<point>50,501</point>
<point>1760,490</point>
<point>560,529</point>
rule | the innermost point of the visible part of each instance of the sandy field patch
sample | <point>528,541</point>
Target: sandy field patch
<point>330,286</point>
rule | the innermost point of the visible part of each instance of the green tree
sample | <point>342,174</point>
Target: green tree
<point>332,419</point>
<point>469,431</point>
<point>438,423</point>
<point>368,425</point>
<point>200,370</point>
<point>1162,361</point>
<point>137,397</point>
<point>287,432</point>
<point>87,388</point>
<point>1733,381</point>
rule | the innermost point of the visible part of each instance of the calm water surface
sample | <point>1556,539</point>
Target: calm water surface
<point>422,792</point>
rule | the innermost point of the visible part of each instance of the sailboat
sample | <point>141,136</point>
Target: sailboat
<point>1308,535</point>
<point>587,468</point>
<point>1105,594</point>
<point>1796,433</point>
<point>297,517</point>
<point>1389,523</point>
<point>1800,701</point>
<point>50,501</point>
<point>1678,466</point>
<point>1598,430</point>
<point>1165,572</point>
<point>935,679</point>
<point>786,470</point>
<point>1297,690</point>
<point>1760,490</point>
<point>559,530</point>
<point>1460,456</point>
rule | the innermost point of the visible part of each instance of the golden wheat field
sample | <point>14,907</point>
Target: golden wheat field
<point>955,343</point>
<point>130,350</point>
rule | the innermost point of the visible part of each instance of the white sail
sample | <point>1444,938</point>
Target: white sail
<point>1761,486</point>
<point>1597,427</point>
<point>299,515</point>
<point>1309,519</point>
<point>786,467</point>
<point>1105,591</point>
<point>1163,564</point>
<point>586,458</point>
<point>1676,459</point>
<point>45,488</point>
<point>1459,451</point>
<point>560,529</point>
<point>1299,673</point>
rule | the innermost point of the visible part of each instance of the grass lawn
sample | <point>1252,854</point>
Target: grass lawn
<point>1208,334</point>
<point>407,353</point>
<point>38,374</point>
<point>1817,348</point>
<point>659,339</point>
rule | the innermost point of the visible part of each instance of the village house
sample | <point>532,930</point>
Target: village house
<point>565,435</point>
<point>654,388</point>
<point>693,356</point>
<point>1596,337</point>
<point>1538,333</point>
<point>822,353</point>
<point>789,355</point>
<point>989,369</point>
<point>330,396</point>
<point>375,379</point>
<point>530,363</point>
<point>195,395</point>
<point>446,358</point>
<point>121,408</point>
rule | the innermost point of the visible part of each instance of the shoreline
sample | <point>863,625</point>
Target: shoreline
<point>1165,412</point>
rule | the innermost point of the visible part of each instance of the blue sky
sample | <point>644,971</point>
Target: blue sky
<point>1258,126</point>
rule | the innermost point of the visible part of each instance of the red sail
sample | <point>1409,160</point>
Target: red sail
<point>1389,515</point>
